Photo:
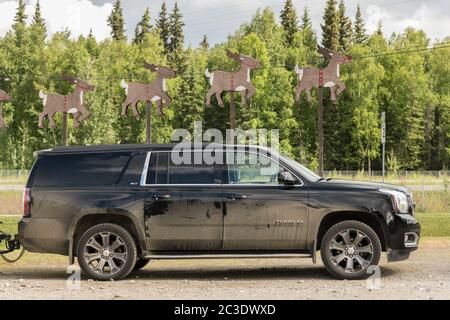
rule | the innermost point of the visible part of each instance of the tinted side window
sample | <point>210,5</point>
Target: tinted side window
<point>162,170</point>
<point>157,168</point>
<point>73,170</point>
<point>133,172</point>
<point>192,173</point>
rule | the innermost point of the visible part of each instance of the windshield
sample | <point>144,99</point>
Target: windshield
<point>305,172</point>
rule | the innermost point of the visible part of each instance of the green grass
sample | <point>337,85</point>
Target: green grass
<point>435,224</point>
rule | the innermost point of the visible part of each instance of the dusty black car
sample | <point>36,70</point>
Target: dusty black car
<point>115,208</point>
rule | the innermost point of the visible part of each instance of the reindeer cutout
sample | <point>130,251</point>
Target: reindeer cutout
<point>3,97</point>
<point>72,103</point>
<point>310,77</point>
<point>154,92</point>
<point>239,81</point>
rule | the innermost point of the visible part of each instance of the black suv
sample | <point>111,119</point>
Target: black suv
<point>117,207</point>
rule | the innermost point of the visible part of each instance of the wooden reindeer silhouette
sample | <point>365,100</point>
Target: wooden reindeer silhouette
<point>239,81</point>
<point>72,103</point>
<point>3,97</point>
<point>310,77</point>
<point>154,92</point>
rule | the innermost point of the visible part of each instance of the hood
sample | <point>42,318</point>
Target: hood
<point>363,185</point>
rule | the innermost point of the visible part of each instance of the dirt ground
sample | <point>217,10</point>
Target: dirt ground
<point>426,275</point>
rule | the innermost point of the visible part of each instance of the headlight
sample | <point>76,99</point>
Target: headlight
<point>399,200</point>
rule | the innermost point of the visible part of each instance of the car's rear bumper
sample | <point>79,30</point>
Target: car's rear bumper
<point>43,236</point>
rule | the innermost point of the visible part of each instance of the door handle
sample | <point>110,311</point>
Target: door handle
<point>160,196</point>
<point>234,197</point>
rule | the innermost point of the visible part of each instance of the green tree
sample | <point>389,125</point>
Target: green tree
<point>345,28</point>
<point>379,30</point>
<point>142,28</point>
<point>38,21</point>
<point>20,17</point>
<point>330,26</point>
<point>359,35</point>
<point>116,22</point>
<point>163,25</point>
<point>204,43</point>
<point>309,36</point>
<point>289,21</point>
<point>176,44</point>
<point>176,25</point>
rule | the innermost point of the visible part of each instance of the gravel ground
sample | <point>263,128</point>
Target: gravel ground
<point>426,275</point>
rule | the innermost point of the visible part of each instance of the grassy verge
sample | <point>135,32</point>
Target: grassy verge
<point>10,202</point>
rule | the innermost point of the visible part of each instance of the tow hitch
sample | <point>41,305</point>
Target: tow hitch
<point>11,244</point>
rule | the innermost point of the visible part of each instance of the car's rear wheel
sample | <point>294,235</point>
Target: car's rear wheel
<point>141,263</point>
<point>349,248</point>
<point>106,251</point>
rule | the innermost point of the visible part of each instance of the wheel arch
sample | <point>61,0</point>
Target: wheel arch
<point>84,222</point>
<point>332,218</point>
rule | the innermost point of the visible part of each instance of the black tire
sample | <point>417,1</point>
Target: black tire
<point>126,250</point>
<point>141,263</point>
<point>363,254</point>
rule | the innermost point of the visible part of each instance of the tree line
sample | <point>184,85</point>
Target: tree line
<point>395,74</point>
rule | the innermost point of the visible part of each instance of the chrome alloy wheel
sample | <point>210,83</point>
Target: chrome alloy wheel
<point>105,253</point>
<point>351,250</point>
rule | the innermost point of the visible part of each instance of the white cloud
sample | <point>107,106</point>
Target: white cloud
<point>79,16</point>
<point>7,10</point>
<point>420,17</point>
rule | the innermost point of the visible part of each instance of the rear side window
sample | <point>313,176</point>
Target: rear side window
<point>74,170</point>
<point>162,170</point>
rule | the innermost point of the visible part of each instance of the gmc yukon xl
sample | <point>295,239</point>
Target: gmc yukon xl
<point>115,208</point>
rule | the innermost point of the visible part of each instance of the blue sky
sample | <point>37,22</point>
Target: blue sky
<point>219,18</point>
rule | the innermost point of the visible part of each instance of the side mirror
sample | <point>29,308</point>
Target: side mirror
<point>287,178</point>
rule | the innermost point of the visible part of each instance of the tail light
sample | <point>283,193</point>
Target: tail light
<point>26,202</point>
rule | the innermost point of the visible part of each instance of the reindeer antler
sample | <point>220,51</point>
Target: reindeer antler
<point>324,52</point>
<point>234,56</point>
<point>150,66</point>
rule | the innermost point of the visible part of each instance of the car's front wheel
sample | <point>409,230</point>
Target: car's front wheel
<point>106,251</point>
<point>349,248</point>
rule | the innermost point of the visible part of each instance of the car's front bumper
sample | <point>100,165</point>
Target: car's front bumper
<point>403,236</point>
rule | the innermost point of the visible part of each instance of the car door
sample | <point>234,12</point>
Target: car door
<point>260,213</point>
<point>183,205</point>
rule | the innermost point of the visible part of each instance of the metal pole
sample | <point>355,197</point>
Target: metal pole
<point>423,194</point>
<point>148,114</point>
<point>383,140</point>
<point>232,111</point>
<point>64,129</point>
<point>320,128</point>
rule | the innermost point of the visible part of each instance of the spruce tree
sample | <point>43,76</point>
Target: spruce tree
<point>379,30</point>
<point>345,27</point>
<point>143,27</point>
<point>38,21</point>
<point>116,22</point>
<point>309,36</point>
<point>289,21</point>
<point>306,20</point>
<point>163,25</point>
<point>20,17</point>
<point>204,43</point>
<point>330,26</point>
<point>176,30</point>
<point>359,35</point>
